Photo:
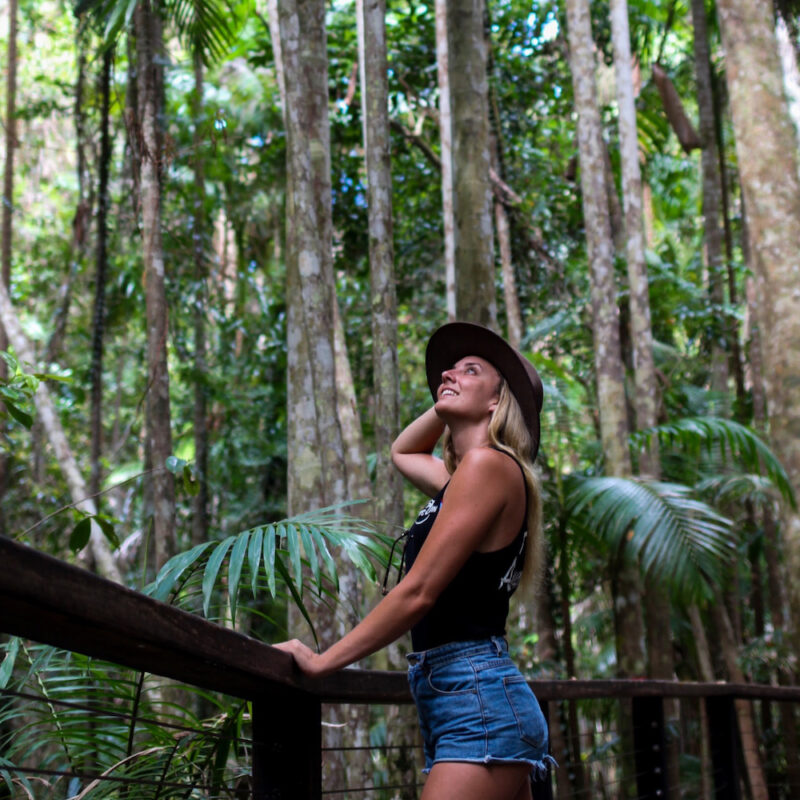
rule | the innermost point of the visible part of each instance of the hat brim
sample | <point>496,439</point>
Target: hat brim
<point>455,340</point>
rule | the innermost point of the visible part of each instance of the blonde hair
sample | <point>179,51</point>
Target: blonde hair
<point>509,433</point>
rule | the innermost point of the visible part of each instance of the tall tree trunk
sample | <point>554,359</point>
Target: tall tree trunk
<point>8,205</point>
<point>199,233</point>
<point>628,623</point>
<point>656,599</point>
<point>768,165</point>
<point>446,150</point>
<point>744,708</point>
<point>377,147</point>
<point>776,577</point>
<point>474,248</point>
<point>159,437</point>
<point>98,314</point>
<point>712,188</point>
<point>318,463</point>
<point>103,560</point>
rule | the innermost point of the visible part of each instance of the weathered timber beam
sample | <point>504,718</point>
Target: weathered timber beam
<point>50,601</point>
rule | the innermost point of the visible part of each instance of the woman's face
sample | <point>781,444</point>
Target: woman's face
<point>469,389</point>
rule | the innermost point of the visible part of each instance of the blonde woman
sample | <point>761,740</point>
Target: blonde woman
<point>483,731</point>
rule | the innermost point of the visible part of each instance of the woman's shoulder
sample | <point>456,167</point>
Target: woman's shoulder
<point>486,460</point>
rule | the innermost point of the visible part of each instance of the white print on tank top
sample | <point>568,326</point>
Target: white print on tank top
<point>429,509</point>
<point>511,579</point>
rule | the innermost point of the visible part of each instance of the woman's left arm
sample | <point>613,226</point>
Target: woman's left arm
<point>476,495</point>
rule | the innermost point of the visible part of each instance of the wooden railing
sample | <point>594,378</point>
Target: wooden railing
<point>55,603</point>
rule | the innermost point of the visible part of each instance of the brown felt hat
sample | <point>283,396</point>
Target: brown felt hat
<point>455,340</point>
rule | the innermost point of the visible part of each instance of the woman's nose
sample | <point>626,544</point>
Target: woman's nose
<point>447,376</point>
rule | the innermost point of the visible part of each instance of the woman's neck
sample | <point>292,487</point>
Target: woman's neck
<point>468,438</point>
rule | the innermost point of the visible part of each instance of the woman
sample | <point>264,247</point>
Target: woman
<point>482,727</point>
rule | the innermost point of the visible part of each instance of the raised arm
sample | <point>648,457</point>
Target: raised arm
<point>412,453</point>
<point>478,492</point>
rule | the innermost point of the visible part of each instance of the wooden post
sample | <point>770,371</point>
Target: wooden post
<point>287,746</point>
<point>650,747</point>
<point>723,734</point>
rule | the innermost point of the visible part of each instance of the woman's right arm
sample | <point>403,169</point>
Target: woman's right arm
<point>412,453</point>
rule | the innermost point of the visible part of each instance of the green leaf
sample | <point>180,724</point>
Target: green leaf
<point>235,570</point>
<point>212,569</point>
<point>293,543</point>
<point>191,485</point>
<point>284,573</point>
<point>327,558</point>
<point>175,464</point>
<point>174,568</point>
<point>269,557</point>
<point>7,665</point>
<point>19,415</point>
<point>254,557</point>
<point>311,553</point>
<point>108,530</point>
<point>79,537</point>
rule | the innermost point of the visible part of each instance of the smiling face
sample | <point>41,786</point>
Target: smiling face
<point>469,390</point>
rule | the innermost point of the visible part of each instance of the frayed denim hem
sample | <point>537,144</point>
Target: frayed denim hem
<point>538,768</point>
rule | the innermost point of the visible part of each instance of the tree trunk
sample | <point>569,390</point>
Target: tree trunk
<point>628,623</point>
<point>8,207</point>
<point>318,472</point>
<point>474,248</point>
<point>104,561</point>
<point>199,238</point>
<point>776,577</point>
<point>712,188</point>
<point>744,708</point>
<point>768,165</point>
<point>149,47</point>
<point>446,149</point>
<point>377,148</point>
<point>98,314</point>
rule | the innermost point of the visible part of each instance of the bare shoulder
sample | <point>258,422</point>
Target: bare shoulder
<point>485,464</point>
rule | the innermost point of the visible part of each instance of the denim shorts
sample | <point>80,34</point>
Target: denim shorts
<point>474,705</point>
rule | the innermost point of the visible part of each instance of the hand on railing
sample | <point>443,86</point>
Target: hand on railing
<point>309,662</point>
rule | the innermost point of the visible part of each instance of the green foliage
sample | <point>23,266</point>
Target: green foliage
<point>16,392</point>
<point>678,540</point>
<point>295,551</point>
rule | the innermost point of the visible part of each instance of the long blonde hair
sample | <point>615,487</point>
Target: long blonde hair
<point>509,433</point>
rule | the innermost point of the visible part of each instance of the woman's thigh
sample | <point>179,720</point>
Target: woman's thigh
<point>454,780</point>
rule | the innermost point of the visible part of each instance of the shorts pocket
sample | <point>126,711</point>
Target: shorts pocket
<point>457,677</point>
<point>530,720</point>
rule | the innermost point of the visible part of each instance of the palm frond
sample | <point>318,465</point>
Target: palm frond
<point>294,551</point>
<point>735,441</point>
<point>676,538</point>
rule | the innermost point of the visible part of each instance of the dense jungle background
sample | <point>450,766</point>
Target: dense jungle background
<point>229,228</point>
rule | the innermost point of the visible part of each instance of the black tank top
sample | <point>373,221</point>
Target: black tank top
<point>474,605</point>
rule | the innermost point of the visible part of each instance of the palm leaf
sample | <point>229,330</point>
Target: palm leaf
<point>676,538</point>
<point>698,434</point>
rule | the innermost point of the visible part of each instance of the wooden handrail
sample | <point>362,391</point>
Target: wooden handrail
<point>56,603</point>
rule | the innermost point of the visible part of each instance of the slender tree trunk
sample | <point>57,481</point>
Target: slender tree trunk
<point>98,315</point>
<point>656,599</point>
<point>149,46</point>
<point>744,708</point>
<point>446,149</point>
<point>8,206</point>
<point>768,164</point>
<point>199,237</point>
<point>628,623</point>
<point>377,148</point>
<point>103,560</point>
<point>474,248</point>
<point>318,462</point>
<point>712,188</point>
<point>706,674</point>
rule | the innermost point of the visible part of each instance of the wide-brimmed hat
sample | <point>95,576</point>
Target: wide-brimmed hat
<point>453,341</point>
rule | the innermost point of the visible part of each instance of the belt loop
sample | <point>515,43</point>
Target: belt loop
<point>496,642</point>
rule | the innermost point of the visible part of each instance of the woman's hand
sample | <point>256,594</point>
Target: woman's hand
<point>309,662</point>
